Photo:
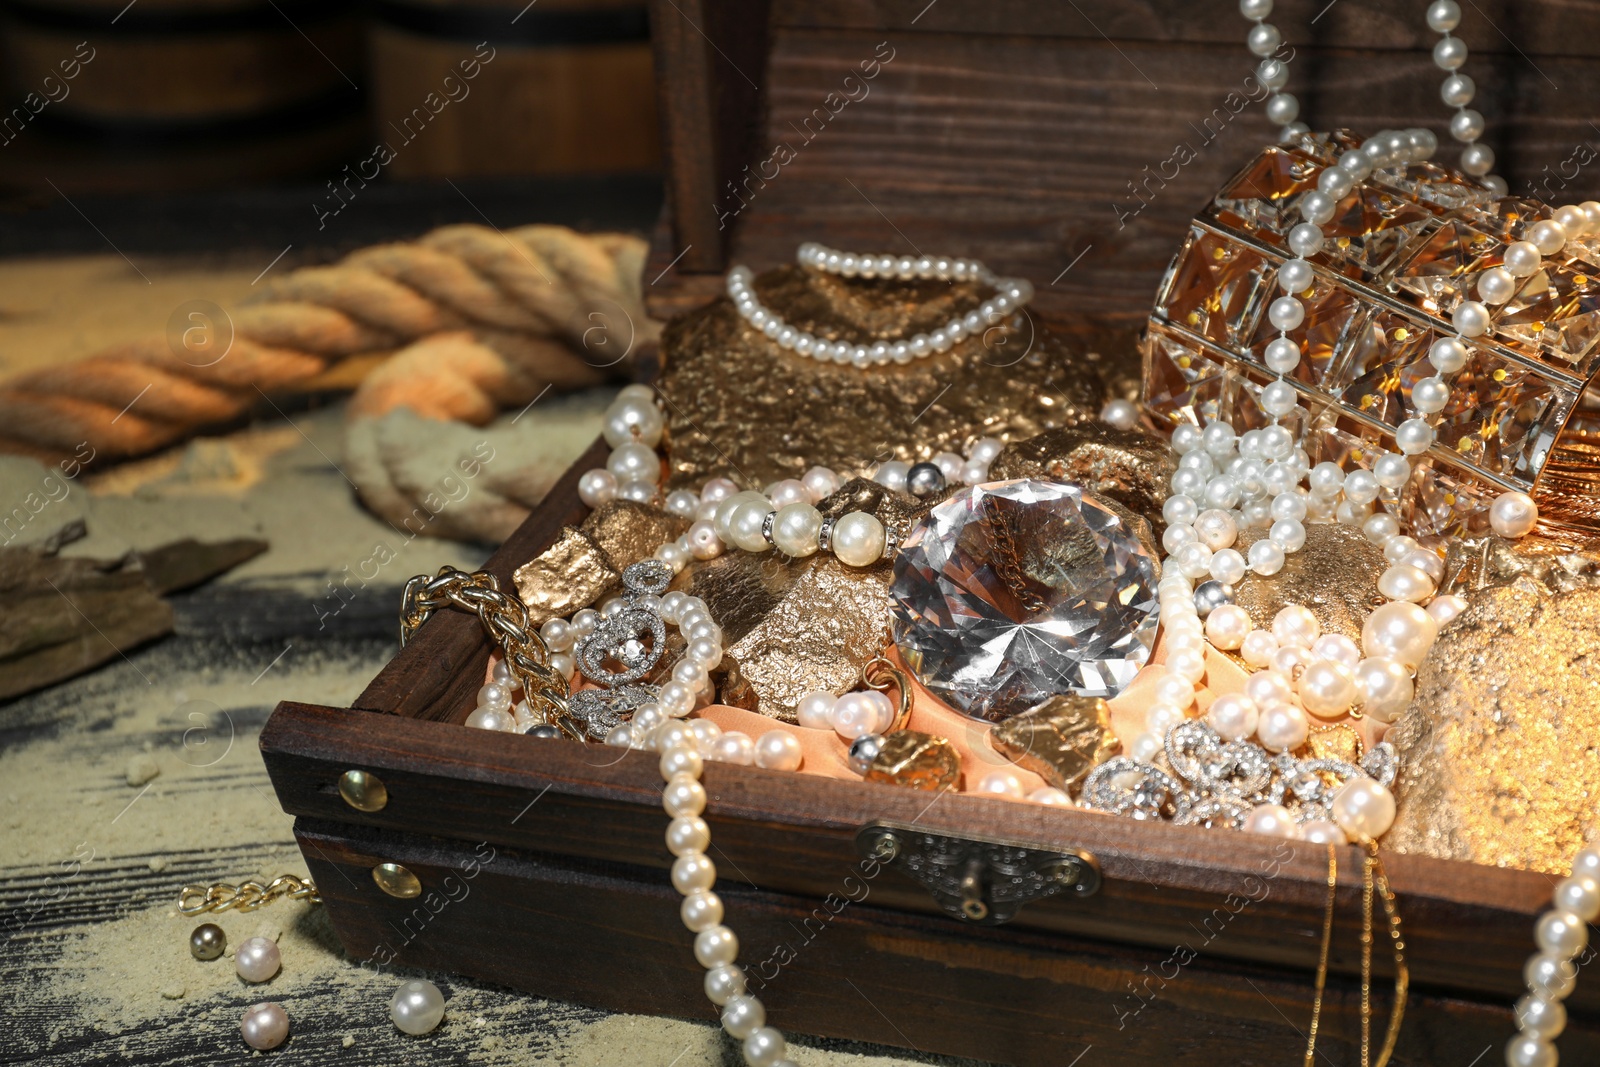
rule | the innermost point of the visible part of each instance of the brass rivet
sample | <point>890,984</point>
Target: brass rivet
<point>396,881</point>
<point>363,791</point>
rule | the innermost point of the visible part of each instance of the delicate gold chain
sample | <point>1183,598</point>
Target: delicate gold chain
<point>1366,962</point>
<point>505,619</point>
<point>1322,961</point>
<point>247,896</point>
<point>1402,976</point>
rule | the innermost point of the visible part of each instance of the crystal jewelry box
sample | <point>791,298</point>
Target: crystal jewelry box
<point>540,864</point>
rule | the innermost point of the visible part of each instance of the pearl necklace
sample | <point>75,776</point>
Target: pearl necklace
<point>1014,293</point>
<point>1561,933</point>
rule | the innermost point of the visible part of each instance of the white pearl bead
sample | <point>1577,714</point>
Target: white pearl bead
<point>1282,728</point>
<point>1266,557</point>
<point>1322,832</point>
<point>1159,718</point>
<point>1404,582</point>
<point>693,871</point>
<point>680,760</point>
<point>1228,626</point>
<point>1234,716</point>
<point>764,1048</point>
<point>858,539</point>
<point>1268,687</point>
<point>1530,1050</point>
<point>745,524</point>
<point>1180,510</point>
<point>854,715</point>
<point>1513,515</point>
<point>1337,647</point>
<point>1188,664</point>
<point>1050,797</point>
<point>701,910</point>
<point>1561,933</point>
<point>1286,313</point>
<point>1380,527</point>
<point>1120,414</point>
<point>1255,9</point>
<point>1361,487</point>
<point>1279,398</point>
<point>1258,647</point>
<point>1364,809</point>
<point>1477,159</point>
<point>1001,783</point>
<point>634,462</point>
<point>743,1016</point>
<point>1579,894</point>
<point>795,529</point>
<point>815,709</point>
<point>1386,687</point>
<point>264,1025</point>
<point>1445,607</point>
<point>257,959</point>
<point>683,796</point>
<point>687,834</point>
<point>1272,820</point>
<point>820,482</point>
<point>1316,208</point>
<point>1327,688</point>
<point>1281,355</point>
<point>1273,73</point>
<point>779,750</point>
<point>724,983</point>
<point>1449,53</point>
<point>1295,625</point>
<point>417,1007</point>
<point>633,421</point>
<point>1186,438</point>
<point>1336,183</point>
<point>597,487</point>
<point>716,946</point>
<point>1413,437</point>
<point>735,747</point>
<point>1444,16</point>
<point>1174,689</point>
<point>1401,631</point>
<point>1145,747</point>
<point>1227,566</point>
<point>1471,318</point>
<point>1547,236</point>
<point>1288,534</point>
<point>1549,976</point>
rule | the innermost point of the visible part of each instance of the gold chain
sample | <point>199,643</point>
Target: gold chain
<point>1322,961</point>
<point>247,896</point>
<point>505,619</point>
<point>1402,976</point>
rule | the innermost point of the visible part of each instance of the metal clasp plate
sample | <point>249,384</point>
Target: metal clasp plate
<point>977,880</point>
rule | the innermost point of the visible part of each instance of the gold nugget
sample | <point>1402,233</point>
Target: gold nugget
<point>918,760</point>
<point>1061,740</point>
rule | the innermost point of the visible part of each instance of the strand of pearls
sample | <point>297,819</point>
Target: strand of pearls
<point>1561,933</point>
<point>1263,40</point>
<point>1013,294</point>
<point>1457,90</point>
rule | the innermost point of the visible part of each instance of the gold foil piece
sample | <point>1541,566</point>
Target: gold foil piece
<point>797,625</point>
<point>571,574</point>
<point>1335,574</point>
<point>918,760</point>
<point>1340,741</point>
<point>586,563</point>
<point>1497,754</point>
<point>739,406</point>
<point>1131,467</point>
<point>1061,740</point>
<point>1480,562</point>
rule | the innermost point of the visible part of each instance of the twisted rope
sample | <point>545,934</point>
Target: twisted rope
<point>472,319</point>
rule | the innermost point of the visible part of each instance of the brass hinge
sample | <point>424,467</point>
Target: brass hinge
<point>978,880</point>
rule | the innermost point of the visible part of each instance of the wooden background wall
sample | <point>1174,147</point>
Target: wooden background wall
<point>1014,129</point>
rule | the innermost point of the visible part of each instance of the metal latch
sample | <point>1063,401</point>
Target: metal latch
<point>978,880</point>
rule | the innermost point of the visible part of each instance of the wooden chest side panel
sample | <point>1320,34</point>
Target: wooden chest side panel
<point>795,834</point>
<point>608,935</point>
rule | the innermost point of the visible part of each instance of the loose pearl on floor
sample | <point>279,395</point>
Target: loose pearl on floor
<point>264,1026</point>
<point>417,1007</point>
<point>1363,808</point>
<point>207,941</point>
<point>1513,515</point>
<point>257,959</point>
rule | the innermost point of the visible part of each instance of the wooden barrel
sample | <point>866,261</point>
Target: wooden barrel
<point>184,92</point>
<point>549,87</point>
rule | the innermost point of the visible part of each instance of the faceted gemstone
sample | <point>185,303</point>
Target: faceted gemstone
<point>1326,148</point>
<point>1444,268</point>
<point>1257,199</point>
<point>1181,382</point>
<point>1445,504</point>
<point>1507,217</point>
<point>1555,316</point>
<point>1013,592</point>
<point>1213,289</point>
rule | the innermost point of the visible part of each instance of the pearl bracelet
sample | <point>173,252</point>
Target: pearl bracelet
<point>1561,933</point>
<point>1013,294</point>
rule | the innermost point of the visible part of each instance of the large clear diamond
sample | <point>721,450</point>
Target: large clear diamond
<point>1012,592</point>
